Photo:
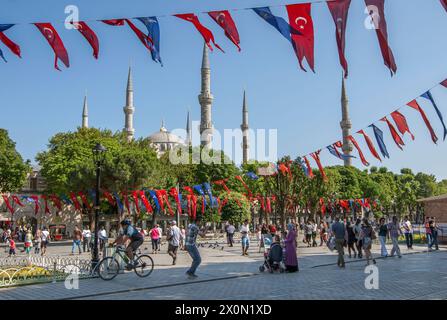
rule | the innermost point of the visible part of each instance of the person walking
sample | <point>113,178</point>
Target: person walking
<point>314,234</point>
<point>182,238</point>
<point>12,247</point>
<point>245,238</point>
<point>290,243</point>
<point>86,239</point>
<point>77,238</point>
<point>45,236</point>
<point>395,232</point>
<point>359,241</point>
<point>37,241</point>
<point>350,235</point>
<point>434,232</point>
<point>366,238</point>
<point>160,232</point>
<point>408,232</point>
<point>155,237</point>
<point>191,246</point>
<point>28,241</point>
<point>323,233</point>
<point>102,237</point>
<point>383,233</point>
<point>230,233</point>
<point>308,228</point>
<point>428,233</point>
<point>339,230</point>
<point>173,237</point>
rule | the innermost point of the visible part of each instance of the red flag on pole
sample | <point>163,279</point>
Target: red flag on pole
<point>45,199</point>
<point>110,198</point>
<point>370,145</point>
<point>84,200</point>
<point>56,201</point>
<point>8,205</point>
<point>309,168</point>
<point>145,40</point>
<point>55,41</point>
<point>136,200</point>
<point>174,193</point>
<point>126,201</point>
<point>145,202</point>
<point>356,145</point>
<point>316,156</point>
<point>89,35</point>
<point>376,9</point>
<point>302,28</point>
<point>36,204</point>
<point>224,19</point>
<point>415,105</point>
<point>15,48</point>
<point>401,123</point>
<point>396,137</point>
<point>339,10</point>
<point>206,33</point>
<point>17,201</point>
<point>75,201</point>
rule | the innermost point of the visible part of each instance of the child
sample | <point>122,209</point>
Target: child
<point>28,242</point>
<point>12,247</point>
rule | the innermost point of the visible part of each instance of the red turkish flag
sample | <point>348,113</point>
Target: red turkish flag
<point>316,156</point>
<point>444,83</point>
<point>224,19</point>
<point>444,4</point>
<point>356,145</point>
<point>401,123</point>
<point>370,145</point>
<point>89,35</point>
<point>15,48</point>
<point>55,41</point>
<point>301,23</point>
<point>396,137</point>
<point>145,40</point>
<point>205,32</point>
<point>415,105</point>
<point>377,12</point>
<point>339,10</point>
<point>8,205</point>
<point>114,22</point>
<point>309,168</point>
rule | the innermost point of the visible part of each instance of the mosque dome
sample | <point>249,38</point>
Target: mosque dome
<point>163,140</point>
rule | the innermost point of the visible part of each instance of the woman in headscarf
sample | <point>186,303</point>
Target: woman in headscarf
<point>290,242</point>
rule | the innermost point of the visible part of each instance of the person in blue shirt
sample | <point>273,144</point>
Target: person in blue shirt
<point>130,233</point>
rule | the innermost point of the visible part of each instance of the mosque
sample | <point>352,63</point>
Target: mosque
<point>163,140</point>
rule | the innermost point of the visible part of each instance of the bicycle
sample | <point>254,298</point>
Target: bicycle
<point>109,267</point>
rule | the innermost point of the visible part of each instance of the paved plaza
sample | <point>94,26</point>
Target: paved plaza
<point>226,274</point>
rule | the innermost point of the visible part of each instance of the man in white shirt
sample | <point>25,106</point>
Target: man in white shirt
<point>230,231</point>
<point>174,235</point>
<point>408,232</point>
<point>86,239</point>
<point>45,235</point>
<point>245,237</point>
<point>102,237</point>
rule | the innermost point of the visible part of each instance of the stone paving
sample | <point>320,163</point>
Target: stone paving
<point>226,274</point>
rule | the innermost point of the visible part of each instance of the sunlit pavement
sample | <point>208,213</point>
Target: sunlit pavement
<point>226,274</point>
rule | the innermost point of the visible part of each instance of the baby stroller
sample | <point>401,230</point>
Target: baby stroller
<point>273,256</point>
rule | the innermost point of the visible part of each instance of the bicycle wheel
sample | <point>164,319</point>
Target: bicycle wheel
<point>108,268</point>
<point>144,266</point>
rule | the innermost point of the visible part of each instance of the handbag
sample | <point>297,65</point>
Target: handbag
<point>331,243</point>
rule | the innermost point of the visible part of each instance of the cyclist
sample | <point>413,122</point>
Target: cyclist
<point>136,239</point>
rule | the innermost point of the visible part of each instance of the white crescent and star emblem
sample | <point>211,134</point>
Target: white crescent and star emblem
<point>300,19</point>
<point>48,33</point>
<point>221,18</point>
<point>339,25</point>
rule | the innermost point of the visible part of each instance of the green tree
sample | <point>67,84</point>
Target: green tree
<point>68,164</point>
<point>13,170</point>
<point>237,209</point>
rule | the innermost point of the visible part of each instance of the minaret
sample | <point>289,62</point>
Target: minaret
<point>85,114</point>
<point>346,125</point>
<point>245,133</point>
<point>206,100</point>
<point>129,109</point>
<point>188,141</point>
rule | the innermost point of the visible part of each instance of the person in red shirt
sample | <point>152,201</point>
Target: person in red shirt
<point>272,229</point>
<point>12,247</point>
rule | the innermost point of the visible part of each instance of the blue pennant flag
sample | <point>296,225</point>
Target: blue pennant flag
<point>199,189</point>
<point>252,175</point>
<point>4,27</point>
<point>92,194</point>
<point>303,166</point>
<point>208,191</point>
<point>429,96</point>
<point>153,31</point>
<point>379,137</point>
<point>154,197</point>
<point>337,154</point>
<point>118,201</point>
<point>65,199</point>
<point>277,22</point>
<point>2,56</point>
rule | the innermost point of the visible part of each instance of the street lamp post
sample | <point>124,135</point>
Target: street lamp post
<point>98,158</point>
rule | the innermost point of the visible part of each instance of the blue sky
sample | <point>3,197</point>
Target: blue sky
<point>37,101</point>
